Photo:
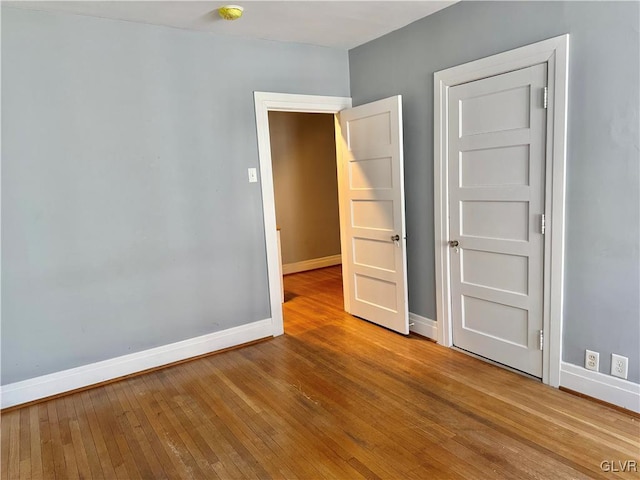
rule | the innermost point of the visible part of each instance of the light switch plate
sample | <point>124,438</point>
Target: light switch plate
<point>253,175</point>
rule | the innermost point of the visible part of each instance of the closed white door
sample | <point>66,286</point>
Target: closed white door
<point>372,204</point>
<point>496,201</point>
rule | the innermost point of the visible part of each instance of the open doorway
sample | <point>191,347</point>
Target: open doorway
<point>303,157</point>
<point>273,102</point>
<point>371,204</point>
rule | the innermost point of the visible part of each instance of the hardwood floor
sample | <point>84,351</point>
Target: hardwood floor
<point>335,397</point>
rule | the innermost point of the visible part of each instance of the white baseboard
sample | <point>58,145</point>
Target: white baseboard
<point>423,326</point>
<point>609,389</point>
<point>312,264</point>
<point>79,377</point>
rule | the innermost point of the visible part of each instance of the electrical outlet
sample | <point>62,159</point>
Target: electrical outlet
<point>592,360</point>
<point>619,366</point>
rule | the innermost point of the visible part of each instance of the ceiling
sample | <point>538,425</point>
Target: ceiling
<point>335,24</point>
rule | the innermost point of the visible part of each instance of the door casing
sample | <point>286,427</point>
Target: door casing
<point>555,53</point>
<point>284,102</point>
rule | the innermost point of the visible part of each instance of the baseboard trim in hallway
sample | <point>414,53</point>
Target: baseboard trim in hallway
<point>423,326</point>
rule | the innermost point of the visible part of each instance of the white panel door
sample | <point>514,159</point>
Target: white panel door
<point>496,201</point>
<point>372,193</point>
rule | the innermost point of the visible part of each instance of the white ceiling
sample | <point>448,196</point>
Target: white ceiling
<point>331,23</point>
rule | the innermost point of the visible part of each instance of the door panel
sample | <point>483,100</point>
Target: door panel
<point>374,253</point>
<point>494,219</point>
<point>372,196</point>
<point>495,270</point>
<point>496,199</point>
<point>494,111</point>
<point>508,323</point>
<point>373,173</point>
<point>376,292</point>
<point>495,167</point>
<point>374,130</point>
<point>373,214</point>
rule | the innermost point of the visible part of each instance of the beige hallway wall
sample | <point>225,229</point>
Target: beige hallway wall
<point>306,189</point>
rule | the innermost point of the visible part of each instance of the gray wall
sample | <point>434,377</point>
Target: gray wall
<point>602,231</point>
<point>127,218</point>
<point>303,153</point>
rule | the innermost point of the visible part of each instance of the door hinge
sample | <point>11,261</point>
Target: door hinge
<point>541,340</point>
<point>545,97</point>
<point>543,224</point>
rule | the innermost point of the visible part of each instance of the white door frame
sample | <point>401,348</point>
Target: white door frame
<point>555,53</point>
<point>281,102</point>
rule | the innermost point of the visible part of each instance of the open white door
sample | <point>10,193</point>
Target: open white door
<point>372,210</point>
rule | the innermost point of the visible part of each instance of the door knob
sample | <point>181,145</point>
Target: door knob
<point>453,243</point>
<point>395,238</point>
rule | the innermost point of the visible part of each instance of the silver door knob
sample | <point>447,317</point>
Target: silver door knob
<point>395,238</point>
<point>453,243</point>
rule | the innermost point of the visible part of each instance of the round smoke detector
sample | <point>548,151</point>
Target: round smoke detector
<point>230,12</point>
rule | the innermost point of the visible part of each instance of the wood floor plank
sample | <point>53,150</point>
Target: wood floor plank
<point>87,457</point>
<point>25,445</point>
<point>14,445</point>
<point>59,465</point>
<point>35,457</point>
<point>334,398</point>
<point>48,465</point>
<point>5,433</point>
<point>68,449</point>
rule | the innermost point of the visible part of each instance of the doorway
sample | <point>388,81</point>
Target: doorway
<point>265,103</point>
<point>305,179</point>
<point>546,222</point>
<point>371,204</point>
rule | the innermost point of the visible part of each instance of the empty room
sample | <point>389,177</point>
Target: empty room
<point>308,240</point>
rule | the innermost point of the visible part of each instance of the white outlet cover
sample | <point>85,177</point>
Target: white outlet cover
<point>592,360</point>
<point>619,366</point>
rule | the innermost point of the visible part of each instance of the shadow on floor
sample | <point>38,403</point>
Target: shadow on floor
<point>289,296</point>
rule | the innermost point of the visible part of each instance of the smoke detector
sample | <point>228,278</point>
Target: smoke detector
<point>230,12</point>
